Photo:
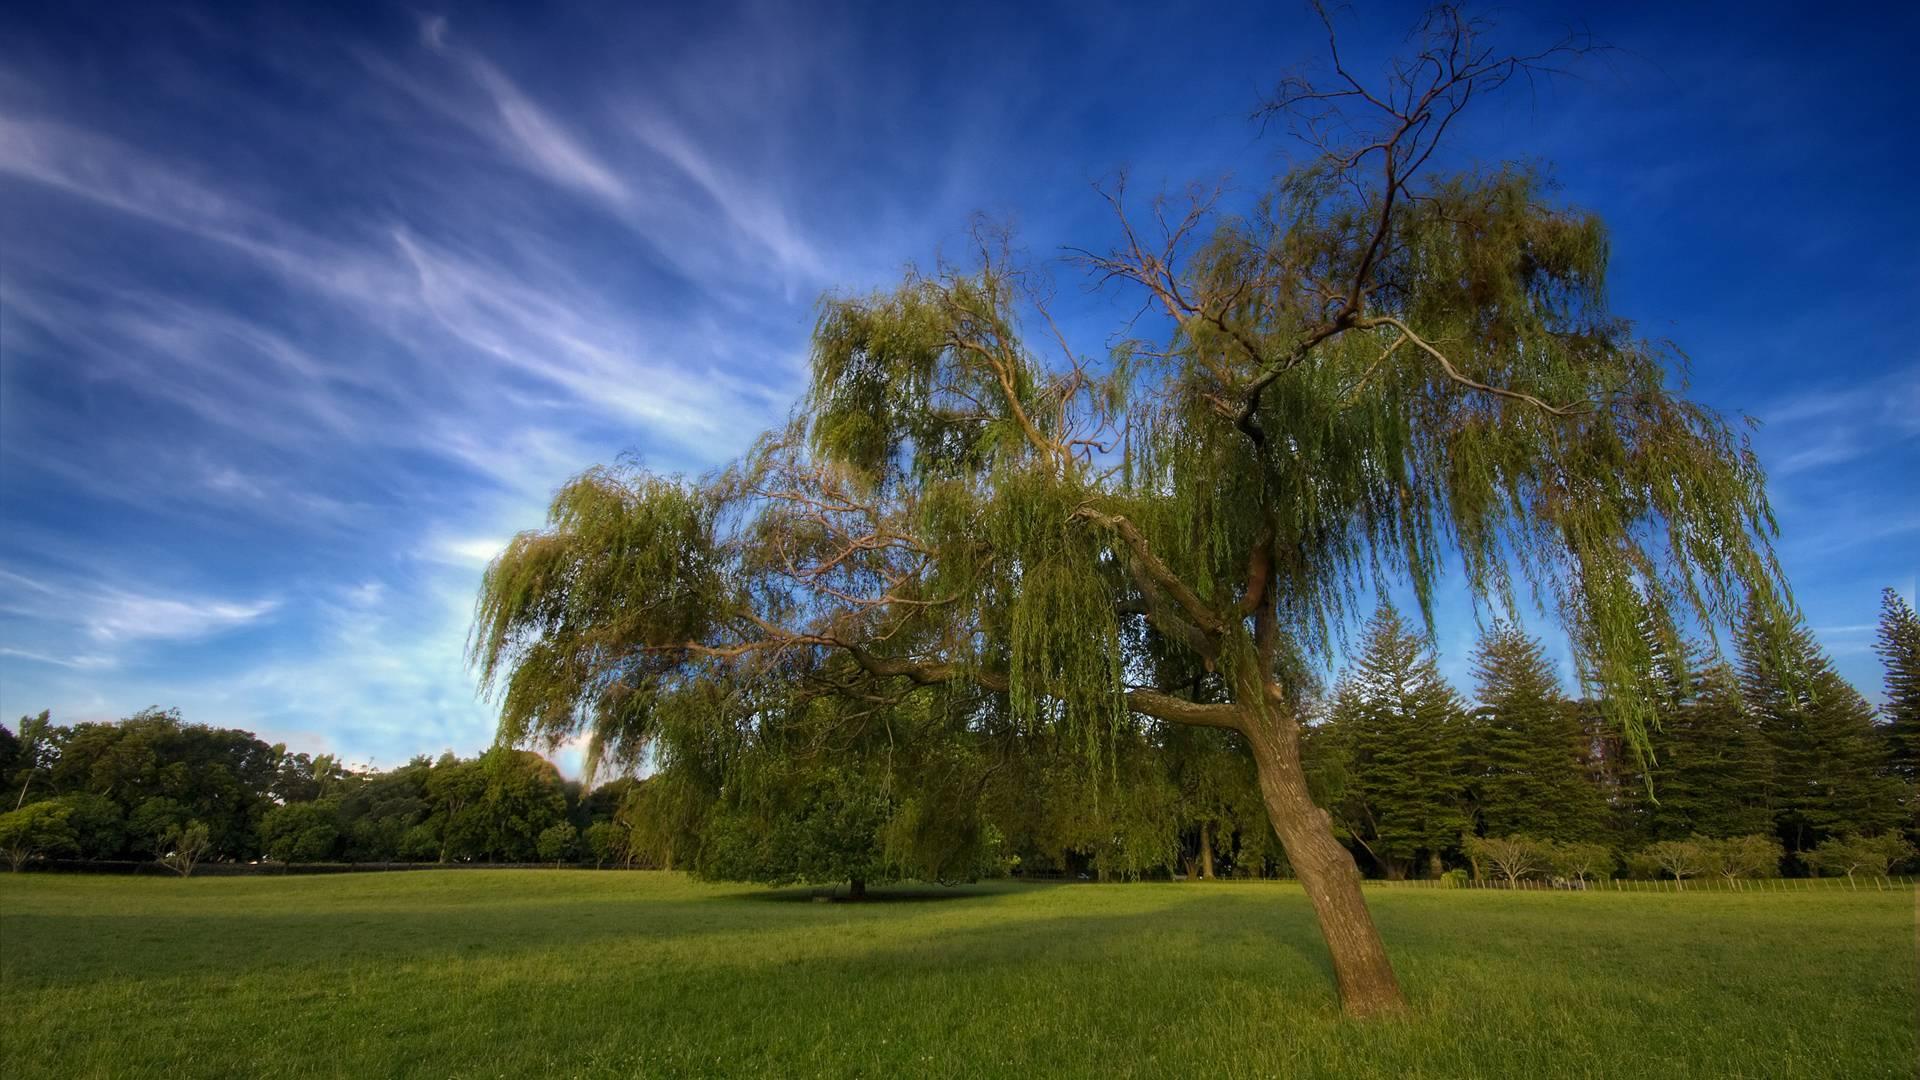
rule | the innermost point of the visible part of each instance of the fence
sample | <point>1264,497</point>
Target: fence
<point>1862,882</point>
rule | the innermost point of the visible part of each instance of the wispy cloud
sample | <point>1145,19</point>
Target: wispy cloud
<point>111,615</point>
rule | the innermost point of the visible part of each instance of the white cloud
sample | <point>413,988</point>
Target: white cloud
<point>115,615</point>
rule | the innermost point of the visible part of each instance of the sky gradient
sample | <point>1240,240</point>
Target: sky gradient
<point>303,313</point>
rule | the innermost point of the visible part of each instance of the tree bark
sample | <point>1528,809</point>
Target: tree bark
<point>1206,850</point>
<point>857,889</point>
<point>1365,976</point>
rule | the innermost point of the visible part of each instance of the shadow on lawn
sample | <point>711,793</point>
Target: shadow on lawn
<point>898,931</point>
<point>910,893</point>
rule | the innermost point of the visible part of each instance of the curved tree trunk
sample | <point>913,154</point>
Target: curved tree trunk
<point>1325,868</point>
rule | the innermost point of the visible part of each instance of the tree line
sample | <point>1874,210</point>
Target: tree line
<point>154,787</point>
<point>1768,763</point>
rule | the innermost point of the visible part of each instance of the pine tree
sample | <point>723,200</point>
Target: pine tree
<point>1397,729</point>
<point>1828,755</point>
<point>1711,766</point>
<point>1527,739</point>
<point>1899,649</point>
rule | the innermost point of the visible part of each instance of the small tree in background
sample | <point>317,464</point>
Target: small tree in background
<point>1679,859</point>
<point>186,845</point>
<point>154,823</point>
<point>1756,855</point>
<point>556,842</point>
<point>1581,861</point>
<point>606,842</point>
<point>1513,857</point>
<point>32,831</point>
<point>301,831</point>
<point>30,751</point>
<point>98,829</point>
<point>1873,855</point>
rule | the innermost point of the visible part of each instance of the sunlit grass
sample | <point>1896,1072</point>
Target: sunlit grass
<point>516,973</point>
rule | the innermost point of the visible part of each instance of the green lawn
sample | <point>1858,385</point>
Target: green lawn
<point>517,973</point>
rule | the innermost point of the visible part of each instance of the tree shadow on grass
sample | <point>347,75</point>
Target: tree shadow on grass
<point>903,893</point>
<point>899,930</point>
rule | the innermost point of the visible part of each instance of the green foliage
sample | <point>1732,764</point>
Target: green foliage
<point>1531,769</point>
<point>605,842</point>
<point>99,828</point>
<point>32,831</point>
<point>1712,767</point>
<point>1853,853</point>
<point>27,753</point>
<point>1678,859</point>
<point>301,832</point>
<point>1397,730</point>
<point>1829,758</point>
<point>557,842</point>
<point>1733,857</point>
<point>1581,861</point>
<point>154,822</point>
<point>821,827</point>
<point>185,845</point>
<point>1898,644</point>
<point>1514,858</point>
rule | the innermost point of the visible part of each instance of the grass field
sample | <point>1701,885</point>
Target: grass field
<point>518,973</point>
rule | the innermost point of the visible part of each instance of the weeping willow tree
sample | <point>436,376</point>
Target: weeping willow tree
<point>1381,370</point>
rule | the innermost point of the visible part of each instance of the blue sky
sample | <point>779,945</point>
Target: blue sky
<point>304,312</point>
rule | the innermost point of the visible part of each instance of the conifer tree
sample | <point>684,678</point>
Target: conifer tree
<point>1531,773</point>
<point>1899,649</point>
<point>1711,768</point>
<point>1829,758</point>
<point>1398,726</point>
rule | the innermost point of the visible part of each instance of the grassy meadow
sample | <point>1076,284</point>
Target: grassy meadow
<point>518,973</point>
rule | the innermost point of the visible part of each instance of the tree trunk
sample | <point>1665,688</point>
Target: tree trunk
<point>857,889</point>
<point>1325,868</point>
<point>1206,851</point>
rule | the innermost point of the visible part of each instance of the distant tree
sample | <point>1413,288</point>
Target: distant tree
<point>1532,776</point>
<point>301,832</point>
<point>524,794</point>
<point>454,790</point>
<point>99,828</point>
<point>1851,854</point>
<point>1711,766</point>
<point>556,842</point>
<point>224,778</point>
<point>154,823</point>
<point>606,842</point>
<point>819,826</point>
<point>378,813</point>
<point>1899,649</point>
<point>31,746</point>
<point>1581,861</point>
<point>186,845</point>
<point>1828,755</point>
<point>1513,857</point>
<point>1679,859</point>
<point>1756,855</point>
<point>1397,727</point>
<point>32,831</point>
